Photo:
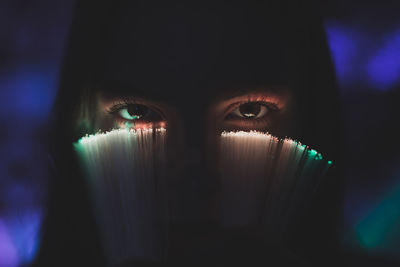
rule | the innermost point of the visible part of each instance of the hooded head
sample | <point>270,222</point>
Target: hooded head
<point>198,69</point>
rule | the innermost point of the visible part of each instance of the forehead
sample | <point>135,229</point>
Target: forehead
<point>194,52</point>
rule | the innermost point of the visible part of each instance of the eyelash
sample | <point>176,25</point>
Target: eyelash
<point>155,115</point>
<point>118,105</point>
<point>270,105</point>
<point>251,123</point>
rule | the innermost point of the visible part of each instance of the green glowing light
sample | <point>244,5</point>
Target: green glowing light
<point>378,229</point>
<point>125,114</point>
<point>312,153</point>
<point>329,162</point>
<point>129,125</point>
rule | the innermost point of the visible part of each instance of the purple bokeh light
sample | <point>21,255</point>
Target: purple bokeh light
<point>8,252</point>
<point>344,43</point>
<point>383,69</point>
<point>24,230</point>
<point>361,58</point>
<point>30,93</point>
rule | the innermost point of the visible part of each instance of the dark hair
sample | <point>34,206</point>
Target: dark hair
<point>298,56</point>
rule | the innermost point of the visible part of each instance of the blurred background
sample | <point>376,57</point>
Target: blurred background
<point>364,38</point>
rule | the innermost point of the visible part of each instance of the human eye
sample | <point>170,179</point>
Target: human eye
<point>251,110</point>
<point>264,110</point>
<point>134,113</point>
<point>251,114</point>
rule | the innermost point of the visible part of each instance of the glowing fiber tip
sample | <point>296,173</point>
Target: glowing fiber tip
<point>123,170</point>
<point>312,153</point>
<point>117,133</point>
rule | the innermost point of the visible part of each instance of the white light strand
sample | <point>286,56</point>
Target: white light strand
<point>124,170</point>
<point>265,179</point>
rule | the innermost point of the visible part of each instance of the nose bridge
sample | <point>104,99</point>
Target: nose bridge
<point>195,153</point>
<point>193,112</point>
<point>197,185</point>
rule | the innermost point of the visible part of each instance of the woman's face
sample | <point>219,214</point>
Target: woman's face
<point>194,127</point>
<point>196,77</point>
<point>197,74</point>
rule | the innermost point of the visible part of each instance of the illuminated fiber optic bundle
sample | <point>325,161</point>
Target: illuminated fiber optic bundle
<point>264,179</point>
<point>124,173</point>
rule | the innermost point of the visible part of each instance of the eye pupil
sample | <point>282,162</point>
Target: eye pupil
<point>250,110</point>
<point>137,110</point>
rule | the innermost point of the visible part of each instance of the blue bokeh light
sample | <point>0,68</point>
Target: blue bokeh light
<point>9,254</point>
<point>30,92</point>
<point>344,44</point>
<point>361,59</point>
<point>383,69</point>
<point>24,229</point>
